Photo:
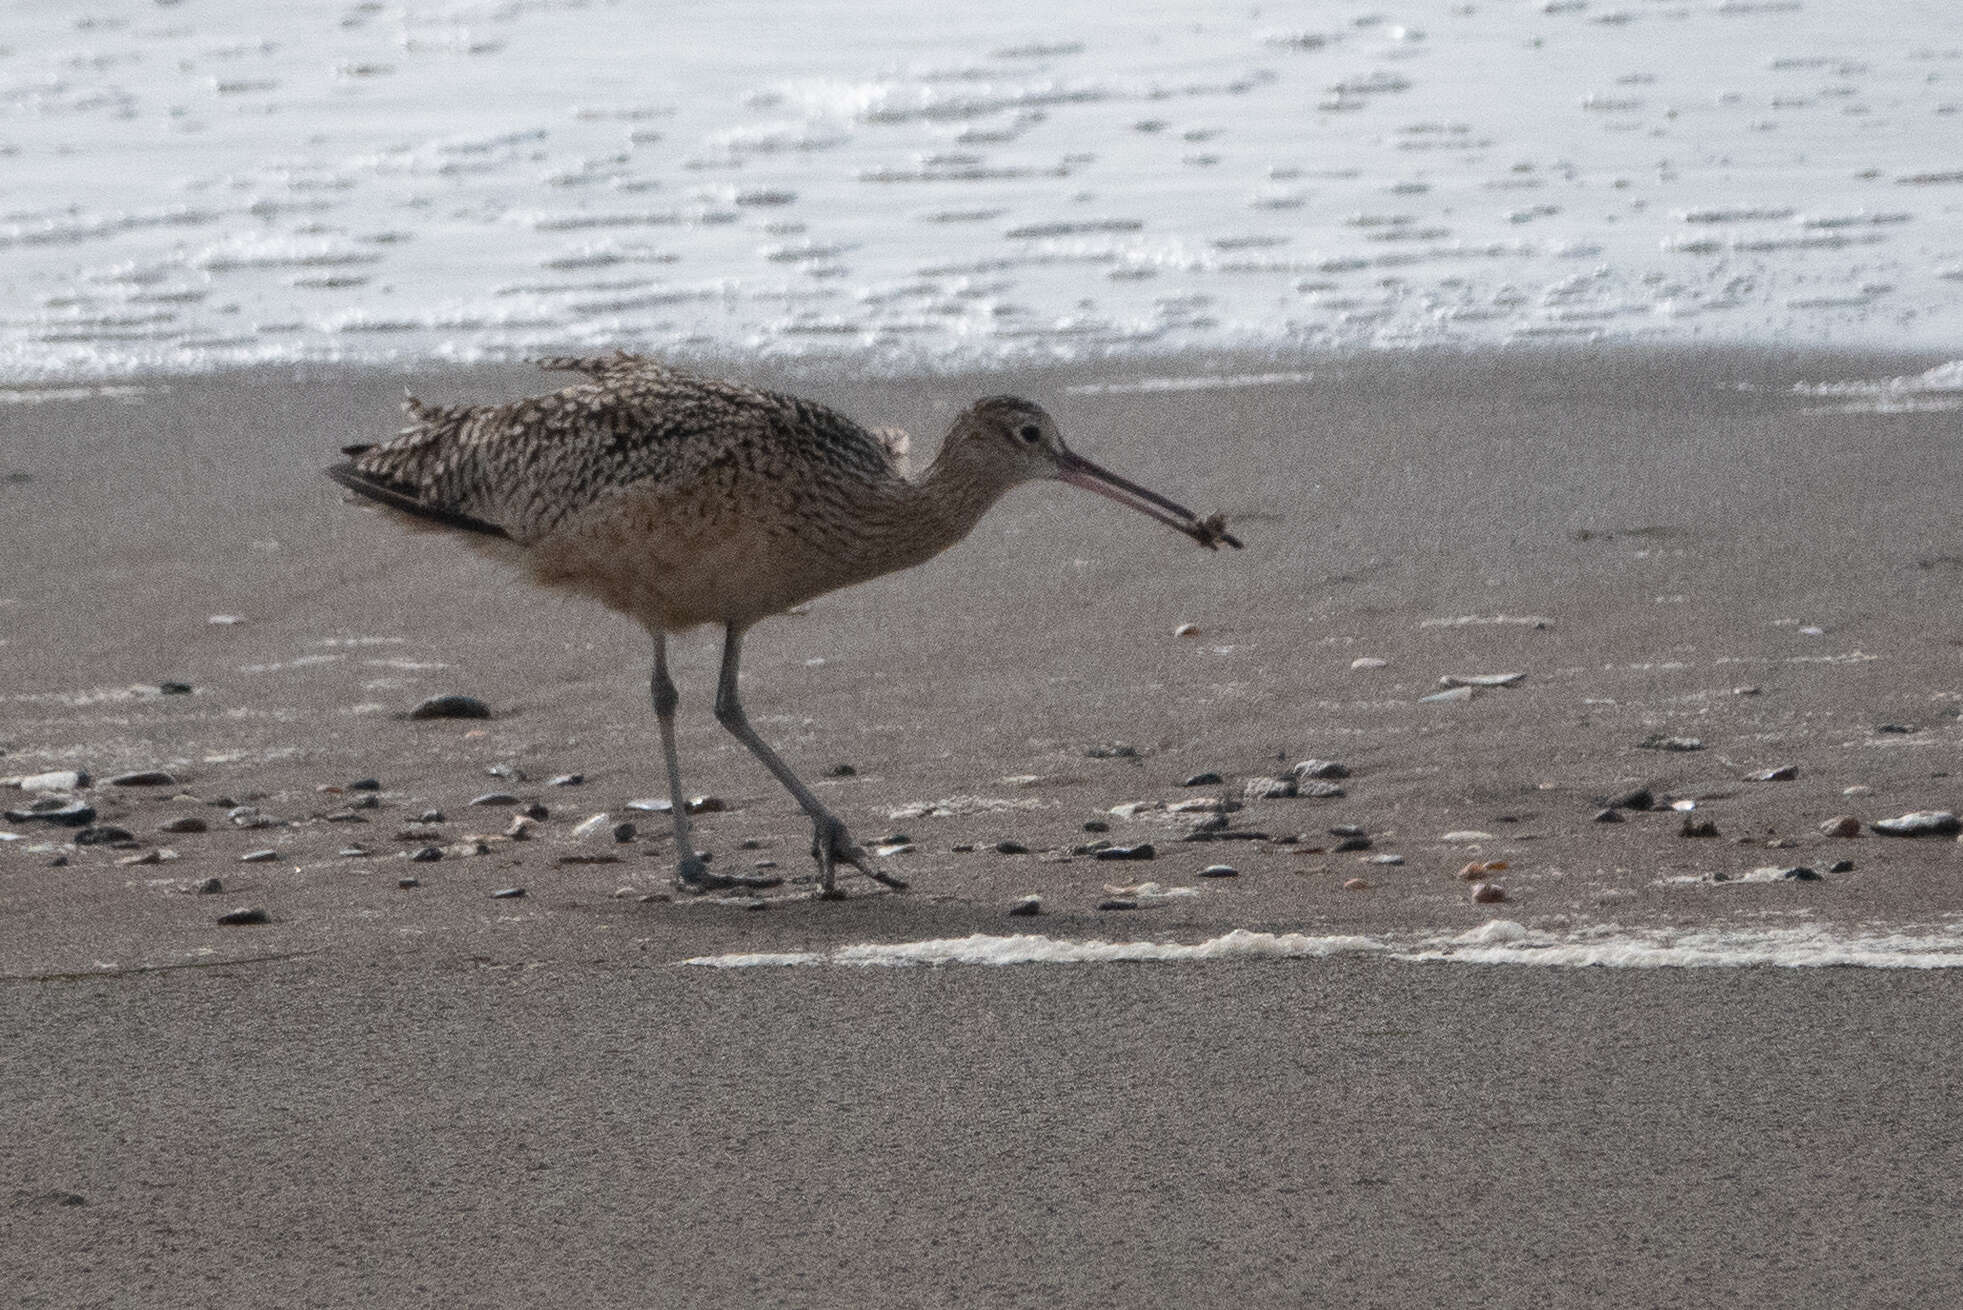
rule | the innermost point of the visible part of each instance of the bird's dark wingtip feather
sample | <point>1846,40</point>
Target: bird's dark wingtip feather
<point>400,498</point>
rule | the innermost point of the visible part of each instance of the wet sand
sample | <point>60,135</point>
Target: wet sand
<point>522,1102</point>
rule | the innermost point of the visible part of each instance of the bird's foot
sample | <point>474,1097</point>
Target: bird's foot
<point>831,846</point>
<point>693,875</point>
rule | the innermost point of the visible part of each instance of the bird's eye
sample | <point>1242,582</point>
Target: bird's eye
<point>1030,433</point>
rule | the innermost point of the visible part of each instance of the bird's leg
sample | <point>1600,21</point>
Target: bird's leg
<point>830,843</point>
<point>694,874</point>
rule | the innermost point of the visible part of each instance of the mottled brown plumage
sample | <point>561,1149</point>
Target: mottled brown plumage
<point>682,500</point>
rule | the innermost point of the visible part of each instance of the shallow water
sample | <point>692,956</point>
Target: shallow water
<point>201,185</point>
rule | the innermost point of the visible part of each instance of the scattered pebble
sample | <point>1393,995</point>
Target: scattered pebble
<point>1271,789</point>
<point>624,832</point>
<point>1357,885</point>
<point>494,798</point>
<point>535,811</point>
<point>1610,815</point>
<point>1776,873</point>
<point>105,834</point>
<point>1466,835</point>
<point>1842,825</point>
<point>225,620</point>
<point>1841,866</point>
<point>352,852</point>
<point>365,784</point>
<point>155,855</point>
<point>507,893</point>
<point>1114,750</point>
<point>1387,858</point>
<point>520,827</point>
<point>589,826</point>
<point>368,801</point>
<point>210,887</point>
<point>1187,630</point>
<point>1642,798</point>
<point>707,805</point>
<point>1858,789</point>
<point>1027,907</point>
<point>1356,843</point>
<point>1698,828</point>
<point>1456,694</point>
<point>1784,773</point>
<point>451,707</point>
<point>426,855</point>
<point>1369,662</point>
<point>431,816</point>
<point>259,857</point>
<point>1010,848</point>
<point>54,780</point>
<point>652,805</point>
<point>143,778</point>
<point>1117,903</point>
<point>566,780</point>
<point>1320,791</point>
<point>1901,728</point>
<point>1488,893</point>
<point>1656,741</point>
<point>245,816</point>
<point>173,688</point>
<point>1482,679</point>
<point>1142,851</point>
<point>1920,823</point>
<point>1206,779</point>
<point>1096,825</point>
<point>1320,769</point>
<point>1220,871</point>
<point>407,884</point>
<point>245,914</point>
<point>63,814</point>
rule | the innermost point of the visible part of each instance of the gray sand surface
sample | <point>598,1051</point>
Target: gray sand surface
<point>432,1097</point>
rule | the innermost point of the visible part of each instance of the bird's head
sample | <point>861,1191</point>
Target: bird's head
<point>1015,441</point>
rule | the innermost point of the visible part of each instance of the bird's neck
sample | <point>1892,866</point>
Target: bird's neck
<point>945,503</point>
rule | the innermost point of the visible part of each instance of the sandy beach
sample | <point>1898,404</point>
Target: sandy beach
<point>426,1095</point>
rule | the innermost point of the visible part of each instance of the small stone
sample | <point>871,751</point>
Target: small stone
<point>1026,907</point>
<point>1142,851</point>
<point>1478,870</point>
<point>587,827</point>
<point>103,835</point>
<point>365,784</point>
<point>431,816</point>
<point>507,770</point>
<point>1320,769</point>
<point>706,805</point>
<point>763,866</point>
<point>1096,825</point>
<point>1608,816</point>
<point>1220,871</point>
<point>407,884</point>
<point>366,801</point>
<point>143,778</point>
<point>1463,835</point>
<point>1783,773</point>
<point>173,688</point>
<point>652,805</point>
<point>352,852</point>
<point>426,855</point>
<point>1799,873</point>
<point>1010,848</point>
<point>1841,866</point>
<point>1455,695</point>
<point>1698,828</point>
<point>63,814</point>
<point>1117,903</point>
<point>507,893</point>
<point>1858,789</point>
<point>210,887</point>
<point>535,811</point>
<point>841,771</point>
<point>225,620</point>
<point>1901,728</point>
<point>1357,885</point>
<point>1745,691</point>
<point>1319,791</point>
<point>963,848</point>
<point>155,855</point>
<point>451,707</point>
<point>624,832</point>
<point>1482,679</point>
<point>494,798</point>
<point>1642,798</point>
<point>1351,844</point>
<point>520,827</point>
<point>1920,823</point>
<point>1114,750</point>
<point>1387,859</point>
<point>1187,630</point>
<point>1781,844</point>
<point>1271,789</point>
<point>1207,779</point>
<point>245,816</point>
<point>54,780</point>
<point>345,816</point>
<point>566,780</point>
<point>1842,825</point>
<point>1488,893</point>
<point>1347,830</point>
<point>1657,741</point>
<point>259,857</point>
<point>245,914</point>
<point>1367,662</point>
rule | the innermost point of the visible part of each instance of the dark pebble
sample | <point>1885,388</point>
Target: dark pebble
<point>1351,844</point>
<point>1117,903</point>
<point>427,855</point>
<point>1010,848</point>
<point>1347,830</point>
<point>63,814</point>
<point>624,832</point>
<point>259,857</point>
<point>184,823</point>
<point>430,816</point>
<point>210,887</point>
<point>1784,773</point>
<point>103,835</point>
<point>174,688</point>
<point>365,784</point>
<point>451,707</point>
<point>1640,799</point>
<point>1610,815</point>
<point>1027,907</point>
<point>1697,828</point>
<point>1220,871</point>
<point>407,883</point>
<point>494,798</point>
<point>1921,823</point>
<point>245,914</point>
<point>1800,874</point>
<point>143,778</point>
<point>58,862</point>
<point>1207,779</point>
<point>1894,727</point>
<point>1142,851</point>
<point>507,893</point>
<point>1096,825</point>
<point>1321,769</point>
<point>842,771</point>
<point>367,802</point>
<point>566,780</point>
<point>1841,866</point>
<point>1116,750</point>
<point>535,811</point>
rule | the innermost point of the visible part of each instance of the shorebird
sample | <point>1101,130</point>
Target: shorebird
<point>681,500</point>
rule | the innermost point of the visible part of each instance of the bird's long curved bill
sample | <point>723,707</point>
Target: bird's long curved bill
<point>1080,472</point>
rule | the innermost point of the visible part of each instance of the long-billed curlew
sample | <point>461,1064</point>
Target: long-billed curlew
<point>680,500</point>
